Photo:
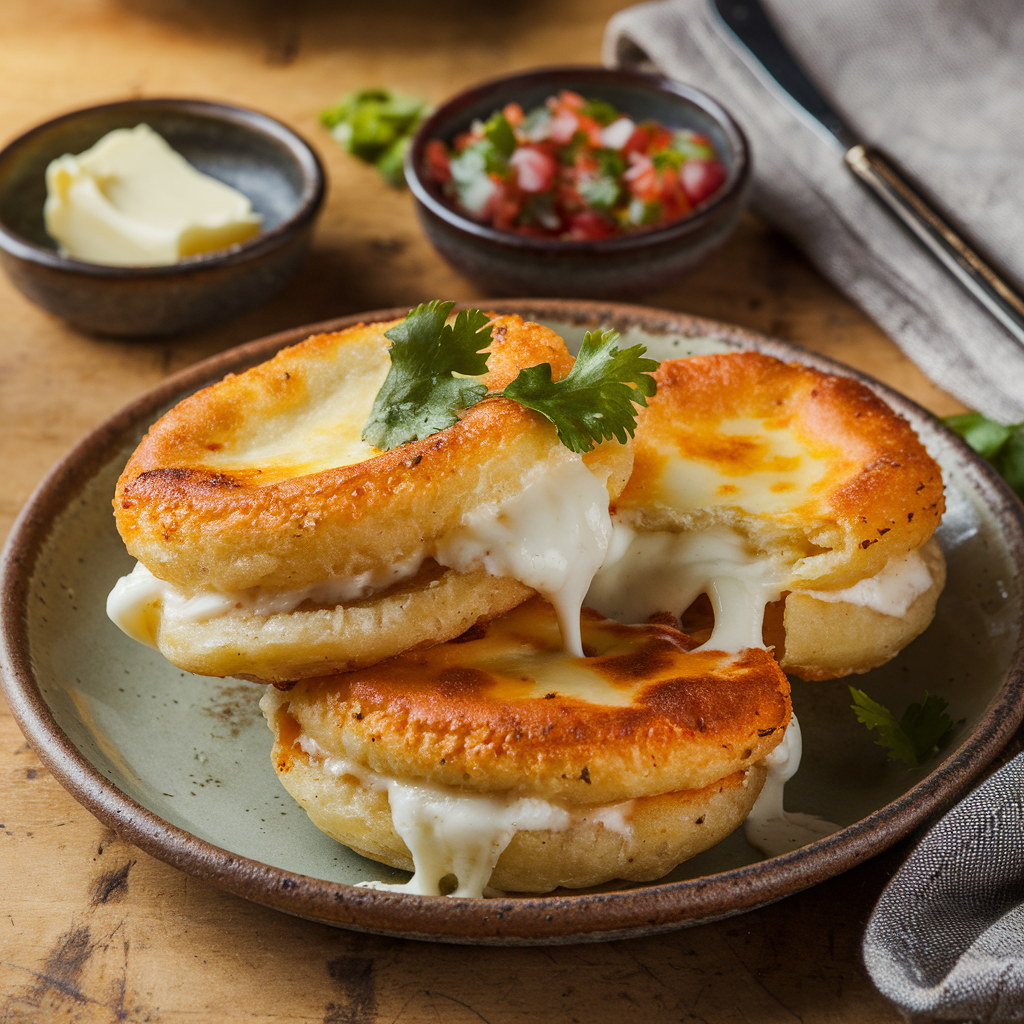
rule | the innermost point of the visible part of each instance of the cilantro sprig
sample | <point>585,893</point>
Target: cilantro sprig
<point>420,394</point>
<point>595,401</point>
<point>434,363</point>
<point>1003,446</point>
<point>923,730</point>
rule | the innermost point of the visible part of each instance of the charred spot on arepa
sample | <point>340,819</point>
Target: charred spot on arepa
<point>462,714</point>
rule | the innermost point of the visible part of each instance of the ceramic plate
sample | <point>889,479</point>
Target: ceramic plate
<point>180,765</point>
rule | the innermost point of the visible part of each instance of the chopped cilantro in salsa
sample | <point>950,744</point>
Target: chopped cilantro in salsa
<point>574,169</point>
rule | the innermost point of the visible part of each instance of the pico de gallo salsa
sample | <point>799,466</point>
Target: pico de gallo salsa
<point>574,169</point>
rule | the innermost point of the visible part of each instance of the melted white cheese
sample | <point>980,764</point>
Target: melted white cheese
<point>552,536</point>
<point>774,472</point>
<point>891,592</point>
<point>648,572</point>
<point>135,603</point>
<point>770,828</point>
<point>450,832</point>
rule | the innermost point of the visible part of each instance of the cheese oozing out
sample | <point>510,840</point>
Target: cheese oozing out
<point>449,832</point>
<point>769,827</point>
<point>553,535</point>
<point>891,592</point>
<point>657,571</point>
<point>131,200</point>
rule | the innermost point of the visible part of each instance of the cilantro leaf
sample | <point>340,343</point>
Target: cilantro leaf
<point>596,400</point>
<point>1001,445</point>
<point>420,395</point>
<point>668,158</point>
<point>985,436</point>
<point>499,134</point>
<point>684,143</point>
<point>1010,461</point>
<point>600,111</point>
<point>610,163</point>
<point>923,730</point>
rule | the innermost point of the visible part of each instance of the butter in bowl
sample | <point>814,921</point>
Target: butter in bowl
<point>150,218</point>
<point>131,200</point>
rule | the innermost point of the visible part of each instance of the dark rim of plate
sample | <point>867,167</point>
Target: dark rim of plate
<point>312,195</point>
<point>521,920</point>
<point>451,116</point>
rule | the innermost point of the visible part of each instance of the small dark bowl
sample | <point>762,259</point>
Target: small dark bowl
<point>259,156</point>
<point>626,266</point>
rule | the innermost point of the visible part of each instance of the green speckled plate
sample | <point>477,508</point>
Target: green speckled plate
<point>180,764</point>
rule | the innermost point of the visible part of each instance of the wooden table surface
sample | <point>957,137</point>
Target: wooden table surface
<point>92,929</point>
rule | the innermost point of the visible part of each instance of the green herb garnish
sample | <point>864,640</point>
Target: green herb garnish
<point>684,144</point>
<point>669,158</point>
<point>1001,445</point>
<point>422,394</point>
<point>600,111</point>
<point>376,126</point>
<point>499,133</point>
<point>923,730</point>
<point>595,401</point>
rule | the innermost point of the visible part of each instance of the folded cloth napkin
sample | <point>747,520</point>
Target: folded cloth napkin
<point>946,940</point>
<point>936,84</point>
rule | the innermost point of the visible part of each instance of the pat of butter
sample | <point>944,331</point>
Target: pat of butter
<point>131,200</point>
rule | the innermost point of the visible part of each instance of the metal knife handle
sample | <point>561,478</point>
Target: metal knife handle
<point>1002,301</point>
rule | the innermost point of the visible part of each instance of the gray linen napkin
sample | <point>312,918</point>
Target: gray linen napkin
<point>937,84</point>
<point>946,940</point>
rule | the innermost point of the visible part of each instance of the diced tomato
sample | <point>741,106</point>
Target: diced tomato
<point>567,198</point>
<point>588,226</point>
<point>674,201</point>
<point>535,169</point>
<point>648,139</point>
<point>513,114</point>
<point>641,178</point>
<point>592,130</point>
<point>436,156</point>
<point>571,100</point>
<point>658,138</point>
<point>567,184</point>
<point>505,205</point>
<point>701,179</point>
<point>564,126</point>
<point>637,142</point>
<point>584,163</point>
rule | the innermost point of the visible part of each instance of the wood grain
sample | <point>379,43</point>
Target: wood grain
<point>93,930</point>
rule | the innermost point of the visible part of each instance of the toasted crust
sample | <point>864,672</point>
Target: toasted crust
<point>506,711</point>
<point>822,476</point>
<point>262,480</point>
<point>663,830</point>
<point>436,605</point>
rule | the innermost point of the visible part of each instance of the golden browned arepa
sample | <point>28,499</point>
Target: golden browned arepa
<point>618,765</point>
<point>754,479</point>
<point>275,543</point>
